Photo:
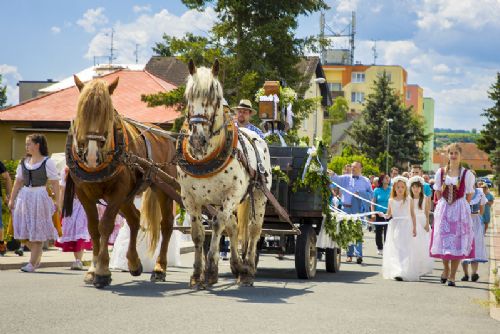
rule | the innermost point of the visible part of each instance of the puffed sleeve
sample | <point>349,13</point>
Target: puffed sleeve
<point>470,180</point>
<point>19,171</point>
<point>437,180</point>
<point>51,168</point>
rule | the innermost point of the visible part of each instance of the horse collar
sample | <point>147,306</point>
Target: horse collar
<point>215,162</point>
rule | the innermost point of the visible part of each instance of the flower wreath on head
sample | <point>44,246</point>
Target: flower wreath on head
<point>400,178</point>
<point>416,178</point>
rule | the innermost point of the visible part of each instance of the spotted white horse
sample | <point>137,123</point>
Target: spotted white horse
<point>218,166</point>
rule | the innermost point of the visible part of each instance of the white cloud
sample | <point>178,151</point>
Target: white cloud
<point>441,68</point>
<point>10,77</point>
<point>347,6</point>
<point>138,9</point>
<point>148,29</point>
<point>377,8</point>
<point>92,18</point>
<point>447,14</point>
<point>55,30</point>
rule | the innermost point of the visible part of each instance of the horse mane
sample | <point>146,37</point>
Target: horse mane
<point>95,108</point>
<point>203,84</point>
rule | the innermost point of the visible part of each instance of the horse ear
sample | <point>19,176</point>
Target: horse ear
<point>192,67</point>
<point>112,86</point>
<point>79,84</point>
<point>215,67</point>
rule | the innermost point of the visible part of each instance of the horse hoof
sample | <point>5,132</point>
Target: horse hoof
<point>89,278</point>
<point>102,281</point>
<point>158,276</point>
<point>245,281</point>
<point>137,272</point>
<point>197,284</point>
<point>212,281</point>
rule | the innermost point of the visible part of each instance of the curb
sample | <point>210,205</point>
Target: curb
<point>65,263</point>
<point>494,264</point>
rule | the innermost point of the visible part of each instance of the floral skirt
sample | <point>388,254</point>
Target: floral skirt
<point>32,216</point>
<point>452,235</point>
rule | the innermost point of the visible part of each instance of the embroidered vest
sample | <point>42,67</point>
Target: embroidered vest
<point>453,192</point>
<point>36,177</point>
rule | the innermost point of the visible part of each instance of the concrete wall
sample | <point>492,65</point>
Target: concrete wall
<point>29,89</point>
<point>428,113</point>
<point>308,125</point>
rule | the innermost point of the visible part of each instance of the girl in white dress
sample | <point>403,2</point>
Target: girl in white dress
<point>30,204</point>
<point>422,241</point>
<point>399,259</point>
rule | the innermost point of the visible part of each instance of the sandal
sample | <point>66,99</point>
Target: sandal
<point>349,259</point>
<point>443,279</point>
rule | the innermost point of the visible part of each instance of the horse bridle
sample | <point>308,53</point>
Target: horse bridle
<point>204,120</point>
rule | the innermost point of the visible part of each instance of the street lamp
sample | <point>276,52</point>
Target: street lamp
<point>389,121</point>
<point>317,81</point>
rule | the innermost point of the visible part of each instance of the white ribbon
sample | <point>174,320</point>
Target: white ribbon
<point>357,196</point>
<point>289,115</point>
<point>310,152</point>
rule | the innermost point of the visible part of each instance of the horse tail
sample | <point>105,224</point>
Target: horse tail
<point>151,217</point>
<point>69,197</point>
<point>243,220</point>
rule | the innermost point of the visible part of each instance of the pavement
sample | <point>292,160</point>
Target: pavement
<point>494,233</point>
<point>53,257</point>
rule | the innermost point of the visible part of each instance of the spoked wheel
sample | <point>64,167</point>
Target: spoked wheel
<point>332,259</point>
<point>306,253</point>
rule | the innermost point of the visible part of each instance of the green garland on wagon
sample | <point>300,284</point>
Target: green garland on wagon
<point>343,231</point>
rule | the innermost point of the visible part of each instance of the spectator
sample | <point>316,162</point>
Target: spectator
<point>8,188</point>
<point>487,207</point>
<point>380,201</point>
<point>394,172</point>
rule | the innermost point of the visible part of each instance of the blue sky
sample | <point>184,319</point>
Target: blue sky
<point>448,47</point>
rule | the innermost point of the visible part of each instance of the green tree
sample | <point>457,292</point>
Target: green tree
<point>489,137</point>
<point>261,30</point>
<point>337,113</point>
<point>3,94</point>
<point>406,130</point>
<point>348,156</point>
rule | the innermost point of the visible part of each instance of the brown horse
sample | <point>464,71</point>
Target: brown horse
<point>98,144</point>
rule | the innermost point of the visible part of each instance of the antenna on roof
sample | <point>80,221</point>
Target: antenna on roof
<point>111,48</point>
<point>136,53</point>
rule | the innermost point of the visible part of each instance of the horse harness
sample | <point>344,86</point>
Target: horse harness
<point>220,158</point>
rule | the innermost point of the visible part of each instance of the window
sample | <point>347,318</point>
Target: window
<point>335,86</point>
<point>408,95</point>
<point>358,77</point>
<point>388,74</point>
<point>357,97</point>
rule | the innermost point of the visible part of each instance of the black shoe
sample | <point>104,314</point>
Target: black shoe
<point>474,277</point>
<point>19,252</point>
<point>451,283</point>
<point>443,279</point>
<point>399,279</point>
<point>466,278</point>
<point>359,260</point>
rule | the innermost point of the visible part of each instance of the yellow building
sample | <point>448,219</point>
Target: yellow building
<point>356,82</point>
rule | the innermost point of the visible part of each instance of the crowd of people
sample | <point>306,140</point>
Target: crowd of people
<point>418,219</point>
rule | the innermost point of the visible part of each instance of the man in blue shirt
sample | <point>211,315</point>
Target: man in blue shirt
<point>360,186</point>
<point>244,112</point>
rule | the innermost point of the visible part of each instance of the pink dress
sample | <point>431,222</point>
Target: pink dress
<point>452,234</point>
<point>75,236</point>
<point>119,221</point>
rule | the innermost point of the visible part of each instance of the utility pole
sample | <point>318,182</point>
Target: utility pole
<point>353,32</point>
<point>374,50</point>
<point>111,48</point>
<point>136,53</point>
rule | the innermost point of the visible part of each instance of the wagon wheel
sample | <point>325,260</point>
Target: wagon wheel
<point>332,259</point>
<point>306,253</point>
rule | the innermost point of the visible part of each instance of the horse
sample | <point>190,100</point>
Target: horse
<point>222,165</point>
<point>97,145</point>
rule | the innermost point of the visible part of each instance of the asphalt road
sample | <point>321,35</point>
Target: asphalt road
<point>356,300</point>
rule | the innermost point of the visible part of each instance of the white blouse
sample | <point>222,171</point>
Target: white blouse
<point>470,180</point>
<point>50,167</point>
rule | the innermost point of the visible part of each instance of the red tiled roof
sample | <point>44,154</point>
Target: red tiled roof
<point>471,154</point>
<point>61,105</point>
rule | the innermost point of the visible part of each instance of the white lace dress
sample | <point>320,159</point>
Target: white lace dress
<point>400,258</point>
<point>424,262</point>
<point>33,210</point>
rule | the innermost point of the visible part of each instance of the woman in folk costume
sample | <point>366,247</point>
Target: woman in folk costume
<point>452,236</point>
<point>477,204</point>
<point>424,263</point>
<point>75,235</point>
<point>399,259</point>
<point>31,206</point>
